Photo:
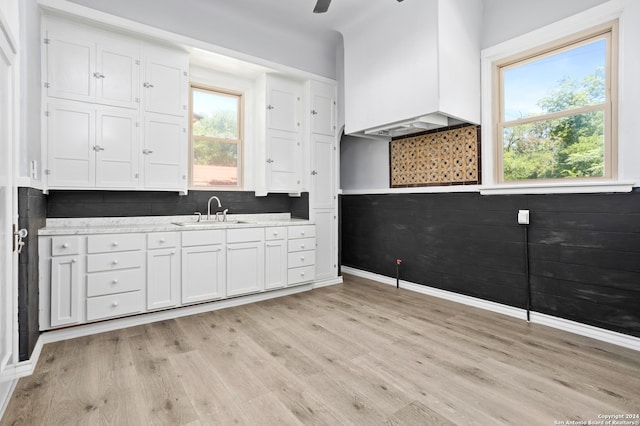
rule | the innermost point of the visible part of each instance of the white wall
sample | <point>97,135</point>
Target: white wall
<point>364,163</point>
<point>505,19</point>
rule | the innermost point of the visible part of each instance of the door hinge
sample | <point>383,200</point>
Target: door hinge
<point>185,73</point>
<point>136,176</point>
<point>47,171</point>
<point>137,100</point>
<point>46,41</point>
<point>137,124</point>
<point>47,85</point>
<point>137,61</point>
<point>46,113</point>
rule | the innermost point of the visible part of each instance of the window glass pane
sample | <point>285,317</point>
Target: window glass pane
<point>566,147</point>
<point>566,80</point>
<point>214,163</point>
<point>215,115</point>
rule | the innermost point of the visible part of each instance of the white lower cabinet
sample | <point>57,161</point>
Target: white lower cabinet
<point>245,261</point>
<point>203,266</point>
<point>275,258</point>
<point>163,271</point>
<point>89,278</point>
<point>65,291</point>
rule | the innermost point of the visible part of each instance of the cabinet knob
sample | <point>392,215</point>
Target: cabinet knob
<point>74,260</point>
<point>115,262</point>
<point>314,112</point>
<point>269,160</point>
<point>65,245</point>
<point>162,240</point>
<point>147,85</point>
<point>302,233</point>
<point>114,304</point>
<point>115,281</point>
<point>301,245</point>
<point>115,244</point>
<point>270,107</point>
<point>302,258</point>
<point>302,274</point>
<point>275,233</point>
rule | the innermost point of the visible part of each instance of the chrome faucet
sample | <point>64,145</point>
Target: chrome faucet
<point>209,206</point>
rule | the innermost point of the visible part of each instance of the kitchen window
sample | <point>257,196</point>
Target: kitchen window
<point>555,111</point>
<point>216,138</point>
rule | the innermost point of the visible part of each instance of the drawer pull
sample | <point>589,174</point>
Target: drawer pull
<point>65,245</point>
<point>115,281</point>
<point>115,262</point>
<point>115,304</point>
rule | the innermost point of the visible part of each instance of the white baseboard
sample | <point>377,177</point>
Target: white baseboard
<point>328,282</point>
<point>6,390</point>
<point>597,333</point>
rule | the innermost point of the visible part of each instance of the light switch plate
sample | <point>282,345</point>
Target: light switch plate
<point>523,217</point>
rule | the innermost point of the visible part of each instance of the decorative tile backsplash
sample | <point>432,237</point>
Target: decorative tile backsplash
<point>442,157</point>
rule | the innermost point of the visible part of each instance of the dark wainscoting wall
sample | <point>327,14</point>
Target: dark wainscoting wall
<point>32,211</point>
<point>69,204</point>
<point>584,249</point>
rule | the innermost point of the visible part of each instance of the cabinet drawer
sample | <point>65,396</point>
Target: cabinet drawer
<point>300,275</point>
<point>112,261</point>
<point>61,246</point>
<point>101,283</point>
<point>302,258</point>
<point>302,244</point>
<point>114,305</point>
<point>202,238</point>
<point>302,231</point>
<point>245,235</point>
<point>158,240</point>
<point>275,233</point>
<point>114,242</point>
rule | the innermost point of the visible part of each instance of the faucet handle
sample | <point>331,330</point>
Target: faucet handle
<point>224,215</point>
<point>199,215</point>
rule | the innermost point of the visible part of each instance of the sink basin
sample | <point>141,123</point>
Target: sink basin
<point>207,223</point>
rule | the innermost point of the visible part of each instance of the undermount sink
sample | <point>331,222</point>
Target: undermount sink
<point>208,223</point>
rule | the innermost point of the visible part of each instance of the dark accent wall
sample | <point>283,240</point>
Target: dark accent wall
<point>32,211</point>
<point>584,249</point>
<point>69,204</point>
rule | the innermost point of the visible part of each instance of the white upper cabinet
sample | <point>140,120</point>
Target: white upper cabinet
<point>89,65</point>
<point>279,167</point>
<point>323,172</point>
<point>89,147</point>
<point>164,155</point>
<point>323,108</point>
<point>166,81</point>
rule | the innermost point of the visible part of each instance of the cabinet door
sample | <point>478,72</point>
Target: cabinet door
<point>283,105</point>
<point>163,279</point>
<point>322,109</point>
<point>283,162</point>
<point>70,65</point>
<point>165,151</point>
<point>275,264</point>
<point>65,291</point>
<point>165,82</point>
<point>70,145</point>
<point>203,273</point>
<point>118,73</point>
<point>117,148</point>
<point>323,171</point>
<point>326,246</point>
<point>245,268</point>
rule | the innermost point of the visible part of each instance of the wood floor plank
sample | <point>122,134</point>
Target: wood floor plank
<point>356,353</point>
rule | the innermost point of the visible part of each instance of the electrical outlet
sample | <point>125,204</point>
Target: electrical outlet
<point>523,217</point>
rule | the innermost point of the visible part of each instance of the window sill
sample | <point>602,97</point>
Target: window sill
<point>558,188</point>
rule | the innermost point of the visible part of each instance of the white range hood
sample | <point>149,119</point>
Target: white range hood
<point>412,66</point>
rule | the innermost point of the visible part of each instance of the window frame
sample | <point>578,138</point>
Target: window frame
<point>240,141</point>
<point>608,31</point>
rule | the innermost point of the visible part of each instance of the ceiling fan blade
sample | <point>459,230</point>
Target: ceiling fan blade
<point>322,6</point>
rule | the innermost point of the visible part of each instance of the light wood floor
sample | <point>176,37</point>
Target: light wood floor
<point>357,353</point>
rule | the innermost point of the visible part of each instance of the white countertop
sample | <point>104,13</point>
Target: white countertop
<point>113,225</point>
